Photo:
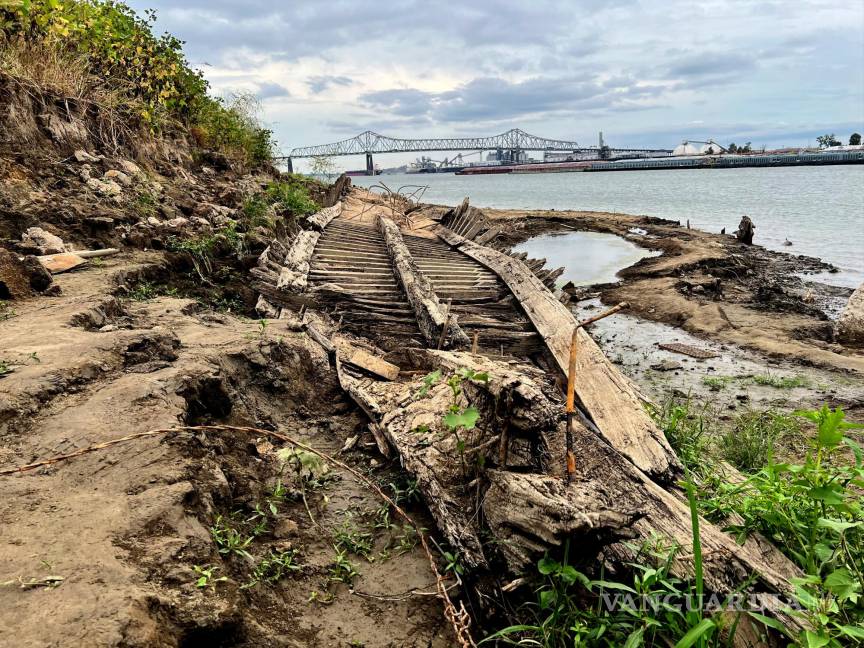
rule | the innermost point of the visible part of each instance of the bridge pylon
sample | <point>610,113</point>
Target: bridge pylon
<point>370,168</point>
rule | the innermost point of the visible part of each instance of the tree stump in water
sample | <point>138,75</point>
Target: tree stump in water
<point>746,230</point>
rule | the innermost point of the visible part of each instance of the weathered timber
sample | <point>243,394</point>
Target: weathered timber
<point>364,360</point>
<point>266,309</point>
<point>527,510</point>
<point>319,220</point>
<point>290,264</point>
<point>604,392</point>
<point>435,324</point>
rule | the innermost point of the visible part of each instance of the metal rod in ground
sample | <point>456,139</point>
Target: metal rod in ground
<point>570,458</point>
<point>446,324</point>
<point>571,403</point>
<point>606,313</point>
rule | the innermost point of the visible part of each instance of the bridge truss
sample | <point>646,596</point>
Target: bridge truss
<point>369,142</point>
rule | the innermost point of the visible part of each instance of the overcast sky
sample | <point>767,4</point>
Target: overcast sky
<point>645,72</point>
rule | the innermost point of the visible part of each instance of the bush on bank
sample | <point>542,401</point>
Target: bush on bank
<point>147,76</point>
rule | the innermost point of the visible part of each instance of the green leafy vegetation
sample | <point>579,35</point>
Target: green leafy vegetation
<point>147,290</point>
<point>6,312</point>
<point>206,577</point>
<point>272,568</point>
<point>717,383</point>
<point>342,570</point>
<point>5,367</point>
<point>813,510</point>
<point>650,609</point>
<point>102,51</point>
<point>749,443</point>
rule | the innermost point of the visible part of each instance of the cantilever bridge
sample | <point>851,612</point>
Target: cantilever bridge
<point>514,141</point>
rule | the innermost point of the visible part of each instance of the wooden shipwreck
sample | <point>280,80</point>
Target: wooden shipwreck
<point>442,299</point>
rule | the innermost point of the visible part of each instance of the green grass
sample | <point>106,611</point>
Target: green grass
<point>717,383</point>
<point>750,442</point>
<point>781,382</point>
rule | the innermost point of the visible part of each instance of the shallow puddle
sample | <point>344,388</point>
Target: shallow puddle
<point>587,257</point>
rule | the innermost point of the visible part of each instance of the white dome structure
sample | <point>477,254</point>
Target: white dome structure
<point>710,148</point>
<point>686,148</point>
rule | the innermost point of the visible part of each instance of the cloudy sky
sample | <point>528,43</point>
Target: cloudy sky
<point>645,72</point>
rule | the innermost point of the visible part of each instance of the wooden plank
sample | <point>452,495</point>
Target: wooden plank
<point>604,392</point>
<point>431,318</point>
<point>63,262</point>
<point>366,361</point>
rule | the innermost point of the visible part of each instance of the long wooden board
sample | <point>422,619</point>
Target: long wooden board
<point>434,322</point>
<point>605,393</point>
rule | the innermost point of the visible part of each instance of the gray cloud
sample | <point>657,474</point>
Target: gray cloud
<point>320,83</point>
<point>269,90</point>
<point>496,99</point>
<point>632,65</point>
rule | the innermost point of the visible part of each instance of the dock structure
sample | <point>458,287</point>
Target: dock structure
<point>731,161</point>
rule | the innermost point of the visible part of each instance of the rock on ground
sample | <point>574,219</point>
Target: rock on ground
<point>850,327</point>
<point>45,241</point>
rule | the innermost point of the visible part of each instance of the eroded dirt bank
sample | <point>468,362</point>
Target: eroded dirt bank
<point>126,528</point>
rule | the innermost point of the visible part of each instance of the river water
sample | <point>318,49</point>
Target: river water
<point>819,209</point>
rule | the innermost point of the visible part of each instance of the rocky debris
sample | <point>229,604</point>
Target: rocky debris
<point>850,327</point>
<point>773,296</point>
<point>667,365</point>
<point>118,177</point>
<point>107,187</point>
<point>40,279</point>
<point>20,278</point>
<point>129,168</point>
<point>45,242</point>
<point>83,156</point>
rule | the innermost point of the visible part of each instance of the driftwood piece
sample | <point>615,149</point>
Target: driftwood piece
<point>529,513</point>
<point>605,393</point>
<point>366,361</point>
<point>265,309</point>
<point>436,324</point>
<point>62,262</point>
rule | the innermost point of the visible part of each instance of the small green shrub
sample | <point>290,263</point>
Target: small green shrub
<point>749,443</point>
<point>146,77</point>
<point>688,428</point>
<point>781,382</point>
<point>716,383</point>
<point>291,196</point>
<point>814,513</point>
<point>272,567</point>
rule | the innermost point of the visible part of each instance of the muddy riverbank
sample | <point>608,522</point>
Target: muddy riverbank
<point>765,314</point>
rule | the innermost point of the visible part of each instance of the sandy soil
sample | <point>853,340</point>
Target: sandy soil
<point>125,527</point>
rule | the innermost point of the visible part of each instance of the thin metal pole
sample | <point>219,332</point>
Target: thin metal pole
<point>571,385</point>
<point>571,403</point>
